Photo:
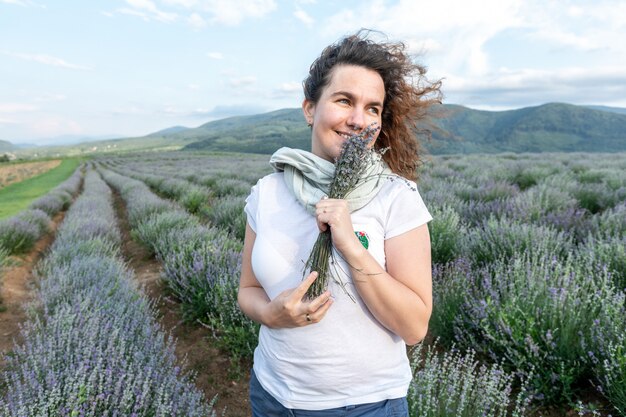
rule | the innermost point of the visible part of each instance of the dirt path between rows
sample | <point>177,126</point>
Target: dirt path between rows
<point>193,342</point>
<point>17,290</point>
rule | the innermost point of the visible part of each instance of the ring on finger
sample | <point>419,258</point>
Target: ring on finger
<point>308,317</point>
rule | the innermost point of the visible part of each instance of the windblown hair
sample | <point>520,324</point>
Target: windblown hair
<point>408,94</point>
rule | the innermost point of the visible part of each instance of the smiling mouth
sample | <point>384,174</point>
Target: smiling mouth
<point>344,135</point>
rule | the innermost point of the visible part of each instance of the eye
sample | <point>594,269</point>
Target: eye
<point>343,101</point>
<point>375,110</point>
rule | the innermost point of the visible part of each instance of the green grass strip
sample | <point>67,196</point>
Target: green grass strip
<point>16,197</point>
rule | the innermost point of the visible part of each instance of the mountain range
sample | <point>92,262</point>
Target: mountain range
<point>552,127</point>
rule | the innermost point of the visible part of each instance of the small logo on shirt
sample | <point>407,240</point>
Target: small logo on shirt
<point>363,238</point>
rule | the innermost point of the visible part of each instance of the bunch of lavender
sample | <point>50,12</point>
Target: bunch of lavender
<point>350,170</point>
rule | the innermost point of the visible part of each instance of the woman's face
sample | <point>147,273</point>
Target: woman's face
<point>352,100</point>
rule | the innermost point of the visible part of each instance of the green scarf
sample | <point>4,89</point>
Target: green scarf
<point>308,177</point>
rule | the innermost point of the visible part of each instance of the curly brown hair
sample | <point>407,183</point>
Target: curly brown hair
<point>408,94</point>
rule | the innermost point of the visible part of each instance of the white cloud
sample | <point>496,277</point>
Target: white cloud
<point>290,87</point>
<point>47,60</point>
<point>23,3</point>
<point>224,12</point>
<point>291,90</point>
<point>196,21</point>
<point>148,10</point>
<point>242,81</point>
<point>461,27</point>
<point>215,55</point>
<point>511,88</point>
<point>201,12</point>
<point>129,110</point>
<point>458,37</point>
<point>54,126</point>
<point>233,12</point>
<point>423,46</point>
<point>303,16</point>
<point>183,3</point>
<point>222,111</point>
<point>44,98</point>
<point>16,107</point>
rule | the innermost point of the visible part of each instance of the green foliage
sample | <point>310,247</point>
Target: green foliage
<point>227,213</point>
<point>445,230</point>
<point>194,198</point>
<point>597,197</point>
<point>612,374</point>
<point>450,283</point>
<point>608,252</point>
<point>230,187</point>
<point>16,197</point>
<point>4,255</point>
<point>151,229</point>
<point>539,314</point>
<point>506,240</point>
<point>17,235</point>
<point>455,384</point>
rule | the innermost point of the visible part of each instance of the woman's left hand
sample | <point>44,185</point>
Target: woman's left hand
<point>334,213</point>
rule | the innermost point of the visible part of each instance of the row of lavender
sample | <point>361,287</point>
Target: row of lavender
<point>530,261</point>
<point>20,232</point>
<point>531,267</point>
<point>202,271</point>
<point>210,186</point>
<point>91,345</point>
<point>201,263</point>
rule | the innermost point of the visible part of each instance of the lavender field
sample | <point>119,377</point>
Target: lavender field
<point>529,274</point>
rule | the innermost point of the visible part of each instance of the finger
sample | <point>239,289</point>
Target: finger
<point>321,225</point>
<point>304,285</point>
<point>321,312</point>
<point>318,302</point>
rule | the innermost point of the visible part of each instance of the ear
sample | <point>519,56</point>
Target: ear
<point>308,109</point>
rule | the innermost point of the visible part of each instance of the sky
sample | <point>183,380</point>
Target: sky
<point>120,68</point>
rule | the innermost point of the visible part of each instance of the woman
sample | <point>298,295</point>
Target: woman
<point>342,353</point>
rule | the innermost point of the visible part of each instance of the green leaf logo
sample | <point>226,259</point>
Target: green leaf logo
<point>363,238</point>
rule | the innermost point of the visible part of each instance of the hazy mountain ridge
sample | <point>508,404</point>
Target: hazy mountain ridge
<point>620,110</point>
<point>552,127</point>
<point>6,146</point>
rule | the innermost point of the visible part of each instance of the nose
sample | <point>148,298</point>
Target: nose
<point>356,119</point>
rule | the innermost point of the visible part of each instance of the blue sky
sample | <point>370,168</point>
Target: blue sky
<point>132,67</point>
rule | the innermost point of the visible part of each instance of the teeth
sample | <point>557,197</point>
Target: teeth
<point>344,135</point>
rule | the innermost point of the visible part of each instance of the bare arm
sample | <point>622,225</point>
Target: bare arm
<point>400,298</point>
<point>288,309</point>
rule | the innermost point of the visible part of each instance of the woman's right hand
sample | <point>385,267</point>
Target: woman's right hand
<point>290,308</point>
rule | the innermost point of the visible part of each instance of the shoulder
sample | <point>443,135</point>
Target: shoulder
<point>395,186</point>
<point>403,206</point>
<point>269,181</point>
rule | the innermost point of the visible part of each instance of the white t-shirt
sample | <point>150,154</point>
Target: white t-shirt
<point>348,357</point>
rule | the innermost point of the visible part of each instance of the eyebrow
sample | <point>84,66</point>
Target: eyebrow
<point>351,97</point>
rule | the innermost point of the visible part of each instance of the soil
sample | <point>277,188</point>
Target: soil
<point>19,172</point>
<point>194,343</point>
<point>17,290</point>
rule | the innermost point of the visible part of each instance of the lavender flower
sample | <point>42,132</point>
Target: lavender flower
<point>350,170</point>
